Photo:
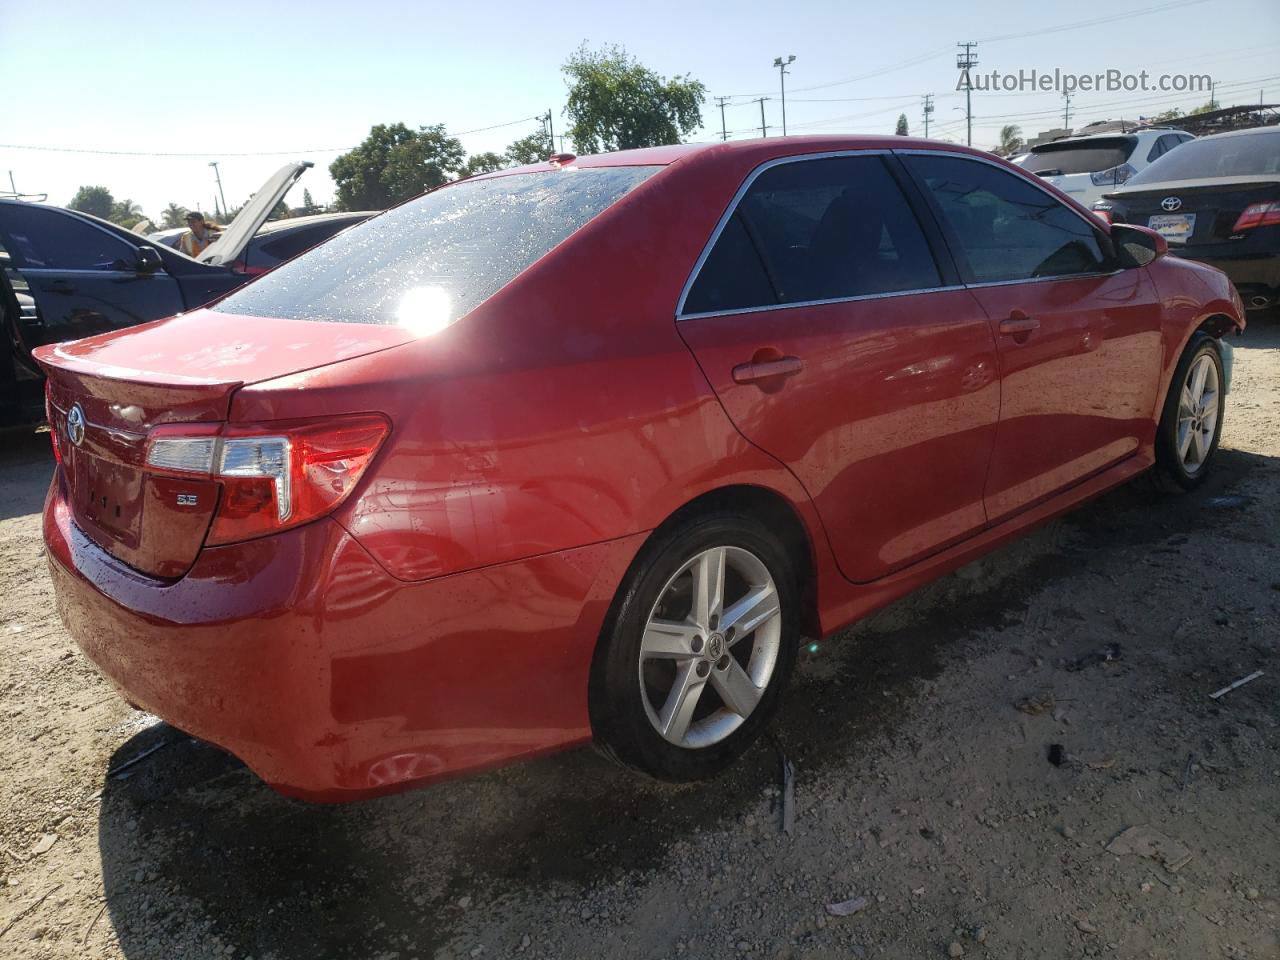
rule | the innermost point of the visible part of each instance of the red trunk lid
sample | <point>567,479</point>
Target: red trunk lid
<point>108,392</point>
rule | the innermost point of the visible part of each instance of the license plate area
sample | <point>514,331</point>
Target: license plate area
<point>1174,227</point>
<point>109,497</point>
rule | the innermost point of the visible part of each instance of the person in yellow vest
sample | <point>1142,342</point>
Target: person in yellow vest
<point>198,236</point>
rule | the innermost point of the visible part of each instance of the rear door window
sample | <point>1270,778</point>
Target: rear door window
<point>432,260</point>
<point>813,230</point>
<point>40,238</point>
<point>1007,229</point>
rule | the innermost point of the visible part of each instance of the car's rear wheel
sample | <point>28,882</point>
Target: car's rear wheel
<point>1191,423</point>
<point>698,649</point>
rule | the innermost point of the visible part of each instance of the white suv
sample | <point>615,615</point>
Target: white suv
<point>1085,168</point>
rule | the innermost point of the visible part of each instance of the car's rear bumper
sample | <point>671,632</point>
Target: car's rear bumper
<point>1255,275</point>
<point>331,679</point>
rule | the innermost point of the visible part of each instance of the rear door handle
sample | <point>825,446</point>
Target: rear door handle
<point>1019,322</point>
<point>753,372</point>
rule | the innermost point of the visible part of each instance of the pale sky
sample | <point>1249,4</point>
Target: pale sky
<point>226,78</point>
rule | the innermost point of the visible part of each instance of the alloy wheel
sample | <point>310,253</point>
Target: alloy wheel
<point>1198,414</point>
<point>710,646</point>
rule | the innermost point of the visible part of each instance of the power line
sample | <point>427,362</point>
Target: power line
<point>1061,28</point>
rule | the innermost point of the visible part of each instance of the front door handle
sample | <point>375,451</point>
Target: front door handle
<point>767,369</point>
<point>1018,322</point>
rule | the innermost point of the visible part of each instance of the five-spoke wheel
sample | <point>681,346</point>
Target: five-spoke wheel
<point>699,648</point>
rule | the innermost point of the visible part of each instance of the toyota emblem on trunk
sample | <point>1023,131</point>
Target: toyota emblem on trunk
<point>75,425</point>
<point>1170,203</point>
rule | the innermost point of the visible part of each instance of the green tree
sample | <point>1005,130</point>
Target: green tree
<point>901,129</point>
<point>126,213</point>
<point>173,217</point>
<point>534,148</point>
<point>393,164</point>
<point>616,103</point>
<point>309,207</point>
<point>482,163</point>
<point>1168,116</point>
<point>1205,108</point>
<point>95,200</point>
<point>1010,140</point>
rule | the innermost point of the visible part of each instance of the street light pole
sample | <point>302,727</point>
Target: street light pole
<point>217,176</point>
<point>782,77</point>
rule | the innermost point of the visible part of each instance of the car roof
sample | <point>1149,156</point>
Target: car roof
<point>1247,132</point>
<point>293,223</point>
<point>763,148</point>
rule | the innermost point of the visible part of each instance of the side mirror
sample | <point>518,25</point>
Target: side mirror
<point>148,260</point>
<point>1137,246</point>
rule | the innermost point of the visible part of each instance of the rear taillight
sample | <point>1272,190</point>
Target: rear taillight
<point>273,476</point>
<point>48,418</point>
<point>1102,214</point>
<point>1112,176</point>
<point>1258,215</point>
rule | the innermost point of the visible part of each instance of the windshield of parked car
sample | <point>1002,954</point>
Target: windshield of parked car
<point>1079,156</point>
<point>1250,155</point>
<point>428,262</point>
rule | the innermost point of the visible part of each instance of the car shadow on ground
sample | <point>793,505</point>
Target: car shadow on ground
<point>196,851</point>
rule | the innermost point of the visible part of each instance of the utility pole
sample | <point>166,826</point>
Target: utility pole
<point>1213,102</point>
<point>551,130</point>
<point>782,78</point>
<point>964,63</point>
<point>761,100</point>
<point>1066,111</point>
<point>928,109</point>
<point>724,131</point>
<point>217,176</point>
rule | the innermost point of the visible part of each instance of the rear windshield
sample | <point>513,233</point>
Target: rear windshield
<point>1080,156</point>
<point>1251,155</point>
<point>427,263</point>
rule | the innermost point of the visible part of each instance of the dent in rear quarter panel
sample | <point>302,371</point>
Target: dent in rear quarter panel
<point>1190,293</point>
<point>564,411</point>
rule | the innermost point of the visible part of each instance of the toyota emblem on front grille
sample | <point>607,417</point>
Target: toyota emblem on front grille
<point>1170,203</point>
<point>75,425</point>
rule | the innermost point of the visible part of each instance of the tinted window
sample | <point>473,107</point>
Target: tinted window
<point>1079,156</point>
<point>433,259</point>
<point>38,237</point>
<point>1230,155</point>
<point>290,243</point>
<point>733,276</point>
<point>815,230</point>
<point>1007,229</point>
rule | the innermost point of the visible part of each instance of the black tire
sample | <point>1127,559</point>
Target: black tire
<point>617,697</point>
<point>1171,474</point>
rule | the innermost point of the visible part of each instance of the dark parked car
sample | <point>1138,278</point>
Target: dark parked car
<point>279,240</point>
<point>88,276</point>
<point>1216,200</point>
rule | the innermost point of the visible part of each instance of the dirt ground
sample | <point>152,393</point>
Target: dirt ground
<point>919,785</point>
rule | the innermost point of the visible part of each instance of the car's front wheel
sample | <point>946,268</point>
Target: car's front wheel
<point>1191,423</point>
<point>698,649</point>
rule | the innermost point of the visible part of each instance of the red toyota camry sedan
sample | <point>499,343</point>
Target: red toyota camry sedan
<point>579,451</point>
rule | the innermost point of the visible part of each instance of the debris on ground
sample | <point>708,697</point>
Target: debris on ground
<point>1232,686</point>
<point>1108,654</point>
<point>1036,704</point>
<point>847,908</point>
<point>44,844</point>
<point>1143,841</point>
<point>1058,754</point>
